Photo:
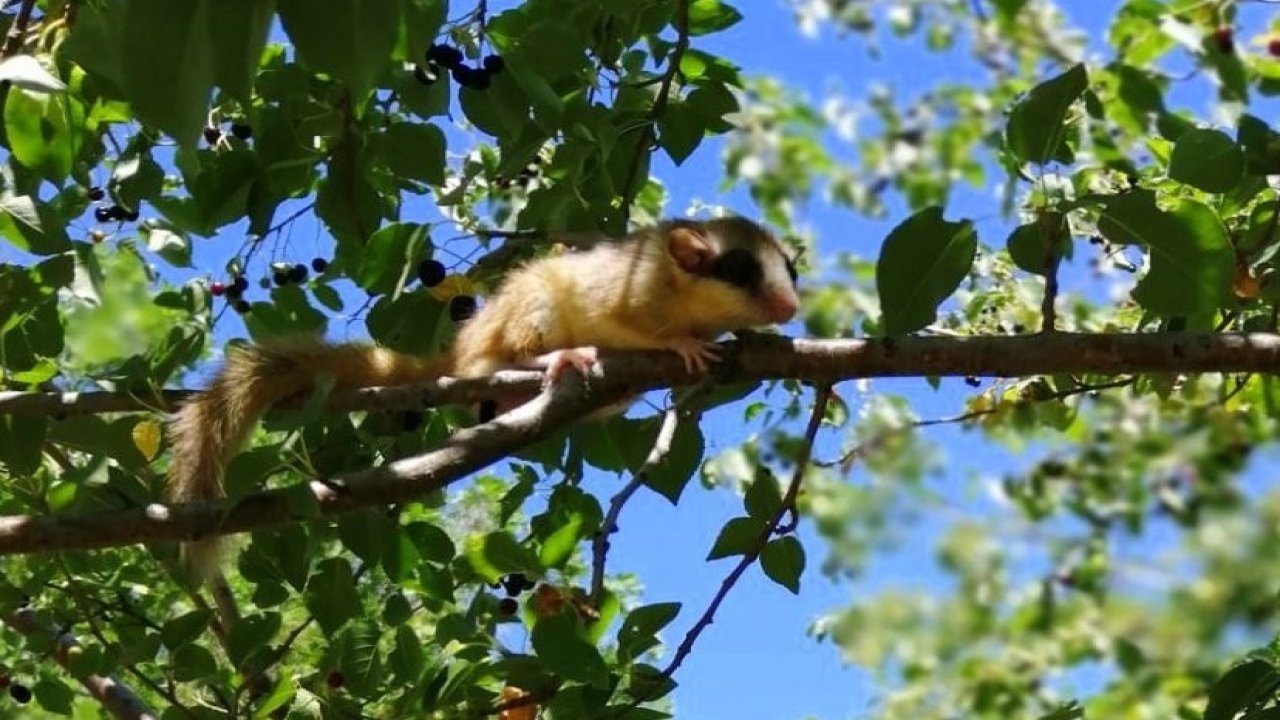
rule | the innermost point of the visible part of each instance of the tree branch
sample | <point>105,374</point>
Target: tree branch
<point>775,524</point>
<point>773,357</point>
<point>467,451</point>
<point>18,31</point>
<point>649,132</point>
<point>116,697</point>
<point>600,545</point>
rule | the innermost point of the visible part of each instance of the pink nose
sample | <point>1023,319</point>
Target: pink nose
<point>782,307</point>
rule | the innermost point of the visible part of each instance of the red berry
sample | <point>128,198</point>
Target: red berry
<point>335,679</point>
<point>4,680</point>
<point>1273,47</point>
<point>1224,36</point>
<point>217,288</point>
<point>508,607</point>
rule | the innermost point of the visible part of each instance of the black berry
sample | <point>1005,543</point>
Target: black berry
<point>461,307</point>
<point>115,212</point>
<point>102,214</point>
<point>470,77</point>
<point>335,679</point>
<point>1224,37</point>
<point>431,272</point>
<point>494,64</point>
<point>21,694</point>
<point>242,131</point>
<point>212,135</point>
<point>508,607</point>
<point>218,289</point>
<point>319,265</point>
<point>428,75</point>
<point>446,55</point>
<point>130,215</point>
<point>243,306</point>
<point>280,277</point>
<point>516,583</point>
<point>298,273</point>
<point>96,194</point>
<point>240,284</point>
<point>972,381</point>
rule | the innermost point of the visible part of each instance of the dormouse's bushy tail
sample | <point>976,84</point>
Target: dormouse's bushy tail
<point>210,427</point>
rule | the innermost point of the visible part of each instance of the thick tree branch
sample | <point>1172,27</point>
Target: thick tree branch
<point>467,451</point>
<point>770,357</point>
<point>117,698</point>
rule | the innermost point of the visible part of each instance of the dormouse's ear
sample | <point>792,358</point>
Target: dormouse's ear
<point>690,248</point>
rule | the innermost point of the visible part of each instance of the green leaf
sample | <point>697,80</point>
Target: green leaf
<point>414,150</point>
<point>32,227</point>
<point>1027,244</point>
<point>281,695</point>
<point>1208,160</point>
<point>1037,124</point>
<point>351,40</point>
<point>672,475</point>
<point>396,610</point>
<point>239,36</point>
<point>433,543</point>
<point>498,554</point>
<point>250,634</point>
<point>21,443</point>
<point>192,662</point>
<point>640,628</point>
<point>680,131</point>
<point>54,695</point>
<point>1261,146</point>
<point>708,16</point>
<point>407,659</point>
<point>331,595</point>
<point>390,256</point>
<point>169,243</point>
<point>783,561</point>
<point>1191,258</point>
<point>557,641</point>
<point>45,132</point>
<point>367,533</point>
<point>571,516</point>
<point>921,263</point>
<point>739,536</point>
<point>358,658</point>
<point>1239,688</point>
<point>185,628</point>
<point>763,496</point>
<point>168,64</point>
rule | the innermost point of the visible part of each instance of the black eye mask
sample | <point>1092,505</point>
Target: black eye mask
<point>739,268</point>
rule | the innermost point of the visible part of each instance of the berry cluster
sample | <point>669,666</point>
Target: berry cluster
<point>213,134</point>
<point>290,275</point>
<point>112,212</point>
<point>513,584</point>
<point>450,58</point>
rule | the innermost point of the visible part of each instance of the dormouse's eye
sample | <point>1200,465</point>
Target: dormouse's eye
<point>791,270</point>
<point>739,268</point>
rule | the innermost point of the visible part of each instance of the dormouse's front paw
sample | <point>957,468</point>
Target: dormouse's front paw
<point>696,353</point>
<point>579,358</point>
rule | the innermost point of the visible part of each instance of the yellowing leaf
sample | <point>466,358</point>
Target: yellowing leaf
<point>454,285</point>
<point>146,437</point>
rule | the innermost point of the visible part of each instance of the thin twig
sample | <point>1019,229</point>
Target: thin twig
<point>774,525</point>
<point>18,32</point>
<point>649,131</point>
<point>862,448</point>
<point>657,454</point>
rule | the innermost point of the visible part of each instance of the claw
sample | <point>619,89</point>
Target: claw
<point>581,359</point>
<point>696,353</point>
